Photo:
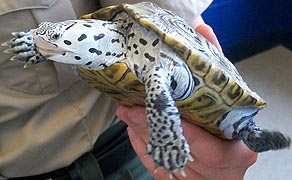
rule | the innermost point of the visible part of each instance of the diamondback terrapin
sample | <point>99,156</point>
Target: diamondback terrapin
<point>141,54</point>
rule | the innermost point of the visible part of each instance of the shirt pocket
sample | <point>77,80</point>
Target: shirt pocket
<point>16,5</point>
<point>15,15</point>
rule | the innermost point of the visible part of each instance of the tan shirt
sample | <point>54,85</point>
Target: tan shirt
<point>48,118</point>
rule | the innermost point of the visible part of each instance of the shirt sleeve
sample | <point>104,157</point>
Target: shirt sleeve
<point>188,9</point>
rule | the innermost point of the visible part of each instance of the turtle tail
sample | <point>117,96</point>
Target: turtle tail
<point>260,140</point>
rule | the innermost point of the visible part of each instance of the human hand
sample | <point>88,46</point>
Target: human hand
<point>213,158</point>
<point>199,25</point>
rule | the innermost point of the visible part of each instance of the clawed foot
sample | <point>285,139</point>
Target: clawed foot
<point>22,45</point>
<point>173,157</point>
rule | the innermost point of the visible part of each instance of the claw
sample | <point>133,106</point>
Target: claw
<point>146,155</point>
<point>170,176</point>
<point>31,62</point>
<point>27,64</point>
<point>22,33</point>
<point>8,51</point>
<point>190,158</point>
<point>183,173</point>
<point>16,34</point>
<point>149,149</point>
<point>14,58</point>
<point>155,168</point>
<point>7,43</point>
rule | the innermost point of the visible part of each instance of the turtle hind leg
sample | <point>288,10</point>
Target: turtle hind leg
<point>260,140</point>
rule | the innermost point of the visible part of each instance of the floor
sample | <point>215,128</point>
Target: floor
<point>270,74</point>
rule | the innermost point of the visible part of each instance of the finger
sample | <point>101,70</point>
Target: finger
<point>204,147</point>
<point>191,174</point>
<point>135,114</point>
<point>122,113</point>
<point>209,34</point>
<point>135,118</point>
<point>215,152</point>
<point>240,154</point>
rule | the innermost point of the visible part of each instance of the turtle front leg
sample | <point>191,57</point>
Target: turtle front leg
<point>23,46</point>
<point>167,144</point>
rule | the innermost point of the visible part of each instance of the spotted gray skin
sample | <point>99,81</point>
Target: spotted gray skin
<point>95,44</point>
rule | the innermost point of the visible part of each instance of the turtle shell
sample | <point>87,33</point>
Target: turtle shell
<point>223,87</point>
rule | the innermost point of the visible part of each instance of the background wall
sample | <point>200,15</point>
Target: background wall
<point>257,35</point>
<point>247,27</point>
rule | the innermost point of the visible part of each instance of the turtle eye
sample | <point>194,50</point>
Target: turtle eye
<point>55,36</point>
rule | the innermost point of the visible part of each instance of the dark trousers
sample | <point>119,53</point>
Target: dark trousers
<point>112,158</point>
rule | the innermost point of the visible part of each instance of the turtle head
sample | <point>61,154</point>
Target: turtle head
<point>48,39</point>
<point>81,42</point>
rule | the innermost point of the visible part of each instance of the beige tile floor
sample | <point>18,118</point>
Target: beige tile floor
<point>270,74</point>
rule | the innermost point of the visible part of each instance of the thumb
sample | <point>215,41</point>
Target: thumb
<point>135,118</point>
<point>206,31</point>
<point>122,112</point>
<point>132,115</point>
<point>137,114</point>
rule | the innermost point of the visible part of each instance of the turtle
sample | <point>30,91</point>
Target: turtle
<point>141,54</point>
